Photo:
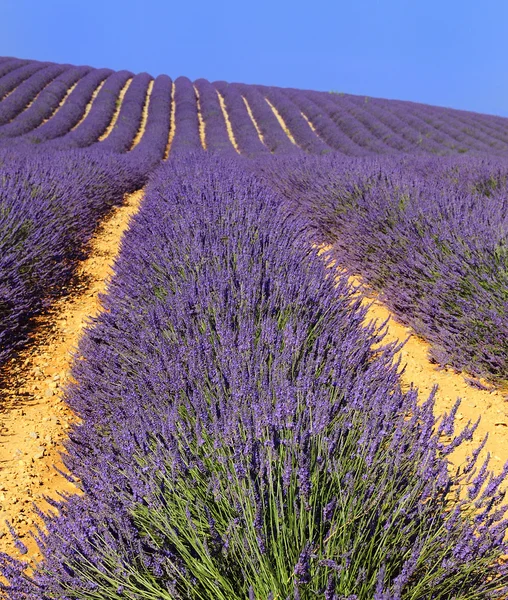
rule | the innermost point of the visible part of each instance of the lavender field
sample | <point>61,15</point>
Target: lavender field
<point>241,433</point>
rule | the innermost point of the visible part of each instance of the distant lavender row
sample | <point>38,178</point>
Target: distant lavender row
<point>62,121</point>
<point>129,119</point>
<point>216,133</point>
<point>50,204</point>
<point>242,126</point>
<point>318,122</point>
<point>43,106</point>
<point>10,81</point>
<point>186,118</point>
<point>27,91</point>
<point>99,117</point>
<point>430,234</point>
<point>274,136</point>
<point>242,438</point>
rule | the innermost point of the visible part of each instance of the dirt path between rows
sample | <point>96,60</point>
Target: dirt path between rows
<point>490,404</point>
<point>33,416</point>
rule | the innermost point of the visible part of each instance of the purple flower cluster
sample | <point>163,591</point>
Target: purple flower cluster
<point>241,436</point>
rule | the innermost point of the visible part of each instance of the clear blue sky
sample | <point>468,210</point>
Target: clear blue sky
<point>444,52</point>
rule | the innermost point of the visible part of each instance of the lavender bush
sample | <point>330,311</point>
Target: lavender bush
<point>240,436</point>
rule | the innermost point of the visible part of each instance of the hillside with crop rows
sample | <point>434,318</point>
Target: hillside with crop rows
<point>241,429</point>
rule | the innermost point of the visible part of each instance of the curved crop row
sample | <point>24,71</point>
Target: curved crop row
<point>150,149</point>
<point>299,128</point>
<point>99,117</point>
<point>330,132</point>
<point>27,91</point>
<point>274,136</point>
<point>243,128</point>
<point>62,121</point>
<point>44,105</point>
<point>129,119</point>
<point>252,443</point>
<point>10,82</point>
<point>186,135</point>
<point>216,133</point>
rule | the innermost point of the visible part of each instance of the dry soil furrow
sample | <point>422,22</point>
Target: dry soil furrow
<point>202,134</point>
<point>490,404</point>
<point>172,122</point>
<point>144,116</point>
<point>119,101</point>
<point>254,122</point>
<point>281,121</point>
<point>231,135</point>
<point>34,419</point>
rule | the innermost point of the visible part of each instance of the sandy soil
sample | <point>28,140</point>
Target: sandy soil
<point>172,122</point>
<point>89,105</point>
<point>281,121</point>
<point>33,417</point>
<point>491,404</point>
<point>144,116</point>
<point>119,101</point>
<point>228,122</point>
<point>254,122</point>
<point>202,134</point>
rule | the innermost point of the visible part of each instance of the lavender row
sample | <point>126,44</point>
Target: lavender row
<point>50,204</point>
<point>186,117</point>
<point>129,119</point>
<point>430,234</point>
<point>15,77</point>
<point>101,113</point>
<point>274,136</point>
<point>10,64</point>
<point>334,134</point>
<point>216,133</point>
<point>243,128</point>
<point>27,91</point>
<point>253,440</point>
<point>378,108</point>
<point>152,147</point>
<point>375,125</point>
<point>44,105</point>
<point>299,128</point>
<point>480,134</point>
<point>69,114</point>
